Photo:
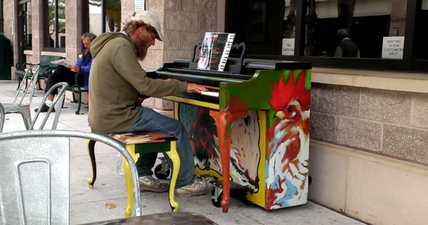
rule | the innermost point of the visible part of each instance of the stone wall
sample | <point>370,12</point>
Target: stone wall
<point>391,123</point>
<point>73,30</point>
<point>37,26</point>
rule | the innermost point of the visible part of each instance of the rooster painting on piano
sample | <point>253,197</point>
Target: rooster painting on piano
<point>253,129</point>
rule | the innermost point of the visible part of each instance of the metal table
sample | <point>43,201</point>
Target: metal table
<point>170,218</point>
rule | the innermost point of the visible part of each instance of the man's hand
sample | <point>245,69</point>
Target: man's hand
<point>195,88</point>
<point>74,68</point>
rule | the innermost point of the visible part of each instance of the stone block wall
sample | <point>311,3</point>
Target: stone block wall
<point>73,30</point>
<point>391,123</point>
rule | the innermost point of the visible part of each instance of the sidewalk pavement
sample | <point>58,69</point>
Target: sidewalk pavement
<point>89,205</point>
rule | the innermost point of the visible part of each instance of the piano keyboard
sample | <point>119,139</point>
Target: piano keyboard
<point>213,92</point>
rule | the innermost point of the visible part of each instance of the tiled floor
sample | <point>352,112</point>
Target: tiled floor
<point>89,205</point>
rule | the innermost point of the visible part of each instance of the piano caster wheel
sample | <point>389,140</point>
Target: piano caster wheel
<point>217,196</point>
<point>162,170</point>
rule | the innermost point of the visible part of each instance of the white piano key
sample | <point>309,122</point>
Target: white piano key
<point>210,93</point>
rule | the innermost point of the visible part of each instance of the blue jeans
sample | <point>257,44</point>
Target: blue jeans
<point>153,121</point>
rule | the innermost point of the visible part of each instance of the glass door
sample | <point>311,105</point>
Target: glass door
<point>24,28</point>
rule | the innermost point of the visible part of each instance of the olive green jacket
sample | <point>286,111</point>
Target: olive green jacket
<point>116,80</point>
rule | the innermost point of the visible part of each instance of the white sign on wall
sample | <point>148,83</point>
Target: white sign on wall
<point>288,46</point>
<point>139,5</point>
<point>392,47</point>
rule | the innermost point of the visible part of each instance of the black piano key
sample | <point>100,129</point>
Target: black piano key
<point>212,89</point>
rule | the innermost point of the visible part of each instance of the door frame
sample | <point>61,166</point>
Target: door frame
<point>1,17</point>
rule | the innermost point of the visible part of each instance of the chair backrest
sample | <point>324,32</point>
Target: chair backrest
<point>45,62</point>
<point>23,90</point>
<point>34,184</point>
<point>2,116</point>
<point>53,58</point>
<point>57,103</point>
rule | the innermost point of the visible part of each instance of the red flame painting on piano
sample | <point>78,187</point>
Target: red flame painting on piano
<point>288,138</point>
<point>245,151</point>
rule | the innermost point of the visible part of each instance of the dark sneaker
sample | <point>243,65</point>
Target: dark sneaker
<point>44,108</point>
<point>200,186</point>
<point>148,183</point>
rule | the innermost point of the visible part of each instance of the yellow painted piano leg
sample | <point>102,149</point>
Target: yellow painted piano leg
<point>173,155</point>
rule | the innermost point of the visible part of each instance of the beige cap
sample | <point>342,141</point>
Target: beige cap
<point>150,19</point>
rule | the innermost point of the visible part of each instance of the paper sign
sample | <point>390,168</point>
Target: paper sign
<point>139,5</point>
<point>392,47</point>
<point>288,46</point>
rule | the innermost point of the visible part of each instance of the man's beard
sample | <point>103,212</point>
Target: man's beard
<point>142,46</point>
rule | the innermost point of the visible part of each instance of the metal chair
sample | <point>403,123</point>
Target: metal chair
<point>35,167</point>
<point>75,88</point>
<point>2,115</point>
<point>18,105</point>
<point>168,218</point>
<point>57,102</point>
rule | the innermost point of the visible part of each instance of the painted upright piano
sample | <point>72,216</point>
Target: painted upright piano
<point>250,128</point>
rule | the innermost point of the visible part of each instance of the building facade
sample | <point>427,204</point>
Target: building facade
<point>369,114</point>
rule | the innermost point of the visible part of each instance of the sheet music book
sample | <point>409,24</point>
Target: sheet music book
<point>215,50</point>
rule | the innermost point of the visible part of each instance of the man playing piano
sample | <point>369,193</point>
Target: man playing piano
<point>116,82</point>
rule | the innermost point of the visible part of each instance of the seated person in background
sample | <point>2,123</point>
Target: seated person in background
<point>346,48</point>
<point>114,101</point>
<point>64,74</point>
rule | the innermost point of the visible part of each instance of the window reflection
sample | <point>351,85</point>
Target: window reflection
<point>95,17</point>
<point>28,28</point>
<point>112,19</point>
<point>420,48</point>
<point>376,28</point>
<point>113,15</point>
<point>24,24</point>
<point>56,24</point>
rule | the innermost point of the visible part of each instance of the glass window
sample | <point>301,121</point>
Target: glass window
<point>420,47</point>
<point>113,14</point>
<point>356,28</point>
<point>112,19</point>
<point>55,24</point>
<point>288,26</point>
<point>95,23</point>
<point>24,24</point>
<point>28,27</point>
